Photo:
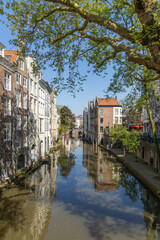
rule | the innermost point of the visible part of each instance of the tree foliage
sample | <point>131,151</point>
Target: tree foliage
<point>64,32</point>
<point>67,120</point>
<point>130,140</point>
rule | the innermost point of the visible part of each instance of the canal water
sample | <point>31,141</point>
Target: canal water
<point>84,194</point>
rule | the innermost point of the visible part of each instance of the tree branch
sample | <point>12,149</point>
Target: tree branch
<point>57,9</point>
<point>114,27</point>
<point>107,58</point>
<point>64,35</point>
<point>132,55</point>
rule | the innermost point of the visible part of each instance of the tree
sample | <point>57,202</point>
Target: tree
<point>67,120</point>
<point>129,140</point>
<point>63,32</point>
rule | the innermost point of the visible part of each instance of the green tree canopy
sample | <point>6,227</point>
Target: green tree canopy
<point>64,32</point>
<point>130,140</point>
<point>67,120</point>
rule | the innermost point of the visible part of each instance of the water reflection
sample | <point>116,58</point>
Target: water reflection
<point>82,194</point>
<point>25,210</point>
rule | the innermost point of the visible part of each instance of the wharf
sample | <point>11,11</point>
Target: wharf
<point>143,171</point>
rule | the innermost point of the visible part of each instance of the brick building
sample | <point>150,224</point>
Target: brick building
<point>7,115</point>
<point>102,114</point>
<point>20,126</point>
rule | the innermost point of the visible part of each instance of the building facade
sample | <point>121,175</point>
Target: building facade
<point>28,113</point>
<point>101,114</point>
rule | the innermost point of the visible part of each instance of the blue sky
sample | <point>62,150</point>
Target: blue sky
<point>93,87</point>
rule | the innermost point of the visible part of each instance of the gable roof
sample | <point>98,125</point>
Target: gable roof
<point>108,102</point>
<point>4,62</point>
<point>13,54</point>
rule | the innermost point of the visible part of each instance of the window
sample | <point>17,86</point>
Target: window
<point>101,111</point>
<point>41,125</point>
<point>116,120</point>
<point>35,88</point>
<point>25,122</point>
<point>24,82</point>
<point>18,78</point>
<point>24,141</point>
<point>7,81</point>
<point>35,106</point>
<point>101,120</point>
<point>18,98</point>
<point>31,86</point>
<point>7,106</point>
<point>116,111</point>
<point>18,122</point>
<point>24,100</point>
<point>22,64</point>
<point>7,131</point>
<point>101,129</point>
<point>18,142</point>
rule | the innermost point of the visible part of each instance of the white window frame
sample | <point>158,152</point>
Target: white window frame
<point>101,111</point>
<point>7,81</point>
<point>25,100</point>
<point>7,106</point>
<point>18,98</point>
<point>116,111</point>
<point>116,118</point>
<point>7,132</point>
<point>24,81</point>
<point>18,78</point>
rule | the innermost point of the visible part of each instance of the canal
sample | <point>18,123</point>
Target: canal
<point>84,194</point>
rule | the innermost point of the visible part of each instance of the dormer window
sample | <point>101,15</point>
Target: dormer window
<point>22,64</point>
<point>2,49</point>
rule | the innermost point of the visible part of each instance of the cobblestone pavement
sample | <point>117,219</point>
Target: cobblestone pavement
<point>140,169</point>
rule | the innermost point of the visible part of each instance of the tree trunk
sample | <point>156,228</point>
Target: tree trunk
<point>152,125</point>
<point>124,151</point>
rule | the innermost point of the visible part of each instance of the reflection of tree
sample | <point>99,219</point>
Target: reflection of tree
<point>66,162</point>
<point>131,185</point>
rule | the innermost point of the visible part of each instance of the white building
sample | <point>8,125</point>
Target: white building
<point>44,116</point>
<point>33,111</point>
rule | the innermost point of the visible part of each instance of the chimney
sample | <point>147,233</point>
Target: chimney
<point>115,97</point>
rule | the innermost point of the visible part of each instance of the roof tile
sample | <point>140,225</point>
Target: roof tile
<point>108,101</point>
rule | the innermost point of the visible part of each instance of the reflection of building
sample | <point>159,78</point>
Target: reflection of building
<point>32,212</point>
<point>104,174</point>
<point>71,144</point>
